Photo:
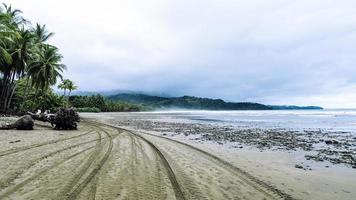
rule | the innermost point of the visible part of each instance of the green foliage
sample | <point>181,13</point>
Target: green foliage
<point>97,101</point>
<point>88,103</point>
<point>67,85</point>
<point>35,99</point>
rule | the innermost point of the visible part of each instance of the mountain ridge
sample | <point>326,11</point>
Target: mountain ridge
<point>198,103</point>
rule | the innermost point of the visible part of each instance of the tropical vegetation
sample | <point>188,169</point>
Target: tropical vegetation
<point>29,65</point>
<point>67,85</point>
<point>98,103</point>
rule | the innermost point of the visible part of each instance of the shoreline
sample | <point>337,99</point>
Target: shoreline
<point>286,168</point>
<point>335,146</point>
<point>192,171</point>
<point>117,163</point>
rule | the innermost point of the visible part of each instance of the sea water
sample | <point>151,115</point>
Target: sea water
<point>328,119</point>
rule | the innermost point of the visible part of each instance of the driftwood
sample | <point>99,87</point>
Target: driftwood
<point>64,119</point>
<point>44,117</point>
<point>24,123</point>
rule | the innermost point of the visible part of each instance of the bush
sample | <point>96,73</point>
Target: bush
<point>88,109</point>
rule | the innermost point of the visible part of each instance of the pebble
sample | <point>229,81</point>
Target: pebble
<point>298,166</point>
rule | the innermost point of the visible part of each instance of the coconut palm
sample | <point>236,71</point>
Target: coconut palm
<point>71,86</point>
<point>21,54</point>
<point>47,67</point>
<point>6,37</point>
<point>14,50</point>
<point>41,33</point>
<point>10,20</point>
<point>24,54</point>
<point>67,85</point>
<point>64,86</point>
<point>14,15</point>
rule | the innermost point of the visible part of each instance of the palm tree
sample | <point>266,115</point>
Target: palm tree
<point>64,86</point>
<point>41,33</point>
<point>10,20</point>
<point>15,44</point>
<point>47,67</point>
<point>14,15</point>
<point>6,37</point>
<point>24,54</point>
<point>71,86</point>
<point>67,85</point>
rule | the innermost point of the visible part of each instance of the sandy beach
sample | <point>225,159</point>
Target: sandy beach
<point>185,100</point>
<point>105,160</point>
<point>270,157</point>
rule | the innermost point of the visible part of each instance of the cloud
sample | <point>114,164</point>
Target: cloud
<point>276,51</point>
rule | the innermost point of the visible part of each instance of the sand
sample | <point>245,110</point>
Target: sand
<point>103,161</point>
<point>318,180</point>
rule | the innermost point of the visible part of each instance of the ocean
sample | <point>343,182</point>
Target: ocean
<point>328,119</point>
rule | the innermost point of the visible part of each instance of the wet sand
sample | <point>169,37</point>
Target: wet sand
<point>274,163</point>
<point>107,162</point>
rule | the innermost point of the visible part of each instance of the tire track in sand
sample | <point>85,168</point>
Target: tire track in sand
<point>265,188</point>
<point>24,148</point>
<point>10,178</point>
<point>41,172</point>
<point>152,179</point>
<point>261,186</point>
<point>172,177</point>
<point>75,187</point>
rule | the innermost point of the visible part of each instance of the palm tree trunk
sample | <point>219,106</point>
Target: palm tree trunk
<point>26,89</point>
<point>11,96</point>
<point>35,96</point>
<point>8,91</point>
<point>4,89</point>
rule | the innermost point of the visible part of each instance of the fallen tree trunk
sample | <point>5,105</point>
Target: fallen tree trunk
<point>41,116</point>
<point>24,123</point>
<point>64,119</point>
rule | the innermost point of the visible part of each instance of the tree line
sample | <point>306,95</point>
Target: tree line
<point>98,103</point>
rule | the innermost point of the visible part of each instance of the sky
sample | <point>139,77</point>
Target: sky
<point>273,52</point>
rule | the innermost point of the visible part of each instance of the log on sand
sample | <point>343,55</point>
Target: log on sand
<point>64,119</point>
<point>24,123</point>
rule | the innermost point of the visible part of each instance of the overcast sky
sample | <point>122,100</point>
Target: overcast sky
<point>273,52</point>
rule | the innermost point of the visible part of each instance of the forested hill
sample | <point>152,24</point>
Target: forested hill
<point>196,103</point>
<point>186,102</point>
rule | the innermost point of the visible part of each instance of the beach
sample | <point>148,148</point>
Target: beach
<point>286,149</point>
<point>177,100</point>
<point>155,156</point>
